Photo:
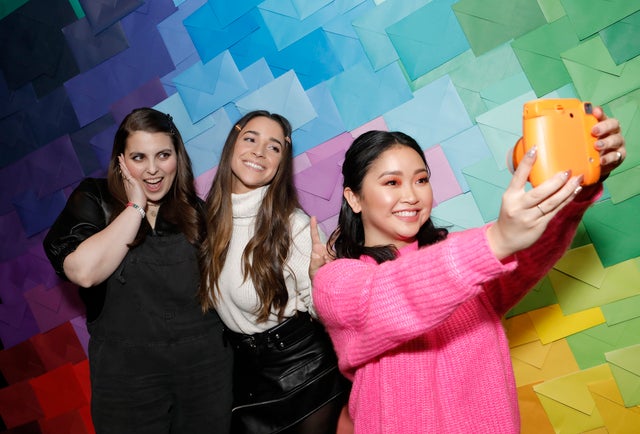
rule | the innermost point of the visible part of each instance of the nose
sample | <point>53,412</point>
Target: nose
<point>152,168</point>
<point>259,150</point>
<point>408,194</point>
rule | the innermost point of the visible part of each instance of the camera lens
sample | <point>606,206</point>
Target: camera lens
<point>588,108</point>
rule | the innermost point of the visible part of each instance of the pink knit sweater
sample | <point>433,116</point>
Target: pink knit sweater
<point>421,337</point>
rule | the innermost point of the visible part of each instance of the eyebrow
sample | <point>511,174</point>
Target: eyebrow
<point>273,139</point>
<point>399,172</point>
<point>169,150</point>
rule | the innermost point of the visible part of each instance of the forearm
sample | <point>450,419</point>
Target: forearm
<point>97,257</point>
<point>534,262</point>
<point>388,304</point>
<point>558,236</point>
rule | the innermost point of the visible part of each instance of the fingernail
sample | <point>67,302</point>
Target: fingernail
<point>532,152</point>
<point>565,175</point>
<point>577,190</point>
<point>599,144</point>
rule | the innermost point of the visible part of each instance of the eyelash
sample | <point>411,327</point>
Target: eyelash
<point>163,156</point>
<point>274,148</point>
<point>393,182</point>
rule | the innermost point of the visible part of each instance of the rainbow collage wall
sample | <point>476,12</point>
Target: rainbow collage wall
<point>454,74</point>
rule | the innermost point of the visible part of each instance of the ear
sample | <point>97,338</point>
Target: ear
<point>352,199</point>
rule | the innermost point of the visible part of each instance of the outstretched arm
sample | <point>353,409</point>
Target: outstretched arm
<point>535,261</point>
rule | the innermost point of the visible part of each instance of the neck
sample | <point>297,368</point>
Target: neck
<point>152,208</point>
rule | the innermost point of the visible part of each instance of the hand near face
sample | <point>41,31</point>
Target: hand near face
<point>319,253</point>
<point>132,186</point>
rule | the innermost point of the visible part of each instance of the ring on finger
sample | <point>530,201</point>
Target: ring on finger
<point>540,209</point>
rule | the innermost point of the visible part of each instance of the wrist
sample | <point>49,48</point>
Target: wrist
<point>496,244</point>
<point>137,208</point>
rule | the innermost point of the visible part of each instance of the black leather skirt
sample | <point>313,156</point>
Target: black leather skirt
<point>283,375</point>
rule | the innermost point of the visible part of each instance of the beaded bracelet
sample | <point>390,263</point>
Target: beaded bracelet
<point>137,208</point>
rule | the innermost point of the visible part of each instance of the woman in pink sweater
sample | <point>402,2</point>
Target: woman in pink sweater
<point>414,313</point>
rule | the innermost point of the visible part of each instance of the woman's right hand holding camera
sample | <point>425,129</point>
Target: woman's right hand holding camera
<point>524,215</point>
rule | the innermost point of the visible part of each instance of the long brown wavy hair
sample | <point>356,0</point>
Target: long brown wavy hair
<point>181,205</point>
<point>265,256</point>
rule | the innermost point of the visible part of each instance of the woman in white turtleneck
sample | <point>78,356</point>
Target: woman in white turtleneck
<point>256,263</point>
<point>238,310</point>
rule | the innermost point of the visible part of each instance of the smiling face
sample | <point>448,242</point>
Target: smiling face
<point>151,159</point>
<point>395,199</point>
<point>257,154</point>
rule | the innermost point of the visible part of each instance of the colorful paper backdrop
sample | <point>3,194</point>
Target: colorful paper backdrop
<point>454,74</point>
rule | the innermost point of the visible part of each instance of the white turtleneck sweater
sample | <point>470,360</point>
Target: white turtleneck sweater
<point>238,300</point>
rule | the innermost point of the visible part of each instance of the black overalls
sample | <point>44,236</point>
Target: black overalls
<point>158,364</point>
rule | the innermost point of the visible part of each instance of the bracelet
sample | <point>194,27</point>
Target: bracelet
<point>137,208</point>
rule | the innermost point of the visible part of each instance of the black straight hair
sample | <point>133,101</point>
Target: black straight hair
<point>347,241</point>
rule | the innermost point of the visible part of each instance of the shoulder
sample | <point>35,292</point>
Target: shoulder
<point>298,216</point>
<point>300,222</point>
<point>340,269</point>
<point>92,188</point>
<point>91,200</point>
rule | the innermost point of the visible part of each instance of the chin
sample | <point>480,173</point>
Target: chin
<point>156,197</point>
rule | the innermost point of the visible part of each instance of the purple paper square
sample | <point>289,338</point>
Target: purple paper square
<point>17,323</point>
<point>147,95</point>
<point>54,167</point>
<point>38,213</point>
<point>89,49</point>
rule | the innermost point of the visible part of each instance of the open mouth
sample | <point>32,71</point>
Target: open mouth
<point>153,183</point>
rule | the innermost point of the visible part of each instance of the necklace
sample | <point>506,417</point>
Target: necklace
<point>153,210</point>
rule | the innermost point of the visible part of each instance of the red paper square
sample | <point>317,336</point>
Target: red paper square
<point>19,404</point>
<point>67,423</point>
<point>59,391</point>
<point>21,362</point>
<point>59,346</point>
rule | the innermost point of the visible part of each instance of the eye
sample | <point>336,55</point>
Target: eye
<point>423,180</point>
<point>137,157</point>
<point>249,139</point>
<point>275,148</point>
<point>164,155</point>
<point>391,182</point>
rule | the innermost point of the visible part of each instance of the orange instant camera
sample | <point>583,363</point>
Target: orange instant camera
<point>561,131</point>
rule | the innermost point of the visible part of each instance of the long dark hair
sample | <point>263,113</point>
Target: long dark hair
<point>265,256</point>
<point>180,206</point>
<point>347,241</point>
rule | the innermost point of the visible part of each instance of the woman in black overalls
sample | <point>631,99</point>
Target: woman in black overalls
<point>158,364</point>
